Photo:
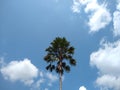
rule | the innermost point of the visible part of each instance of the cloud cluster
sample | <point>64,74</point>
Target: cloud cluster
<point>23,71</point>
<point>107,61</point>
<point>82,88</point>
<point>27,73</point>
<point>98,14</point>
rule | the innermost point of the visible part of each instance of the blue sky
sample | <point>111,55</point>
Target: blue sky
<point>28,26</point>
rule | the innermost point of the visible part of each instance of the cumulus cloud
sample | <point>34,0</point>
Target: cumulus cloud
<point>98,15</point>
<point>109,81</point>
<point>82,88</point>
<point>23,71</point>
<point>107,61</point>
<point>116,19</point>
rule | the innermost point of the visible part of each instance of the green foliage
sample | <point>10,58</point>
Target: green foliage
<point>59,51</point>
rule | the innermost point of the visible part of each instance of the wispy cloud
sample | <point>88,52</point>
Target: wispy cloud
<point>51,78</point>
<point>37,84</point>
<point>107,61</point>
<point>98,14</point>
<point>46,79</point>
<point>2,63</point>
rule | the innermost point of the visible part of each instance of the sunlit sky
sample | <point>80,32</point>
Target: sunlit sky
<point>27,27</point>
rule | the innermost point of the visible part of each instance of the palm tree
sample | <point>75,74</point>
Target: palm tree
<point>59,53</point>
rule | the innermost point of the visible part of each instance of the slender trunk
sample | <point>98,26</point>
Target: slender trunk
<point>60,81</point>
<point>60,70</point>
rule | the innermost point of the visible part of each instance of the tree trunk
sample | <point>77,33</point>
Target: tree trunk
<point>60,81</point>
<point>60,70</point>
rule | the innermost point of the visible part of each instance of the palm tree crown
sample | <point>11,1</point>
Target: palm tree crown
<point>57,52</point>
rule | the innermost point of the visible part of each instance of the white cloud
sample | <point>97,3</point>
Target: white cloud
<point>92,5</point>
<point>82,88</point>
<point>99,19</point>
<point>98,15</point>
<point>23,71</point>
<point>116,20</point>
<point>76,6</point>
<point>107,61</point>
<point>118,4</point>
<point>109,81</point>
